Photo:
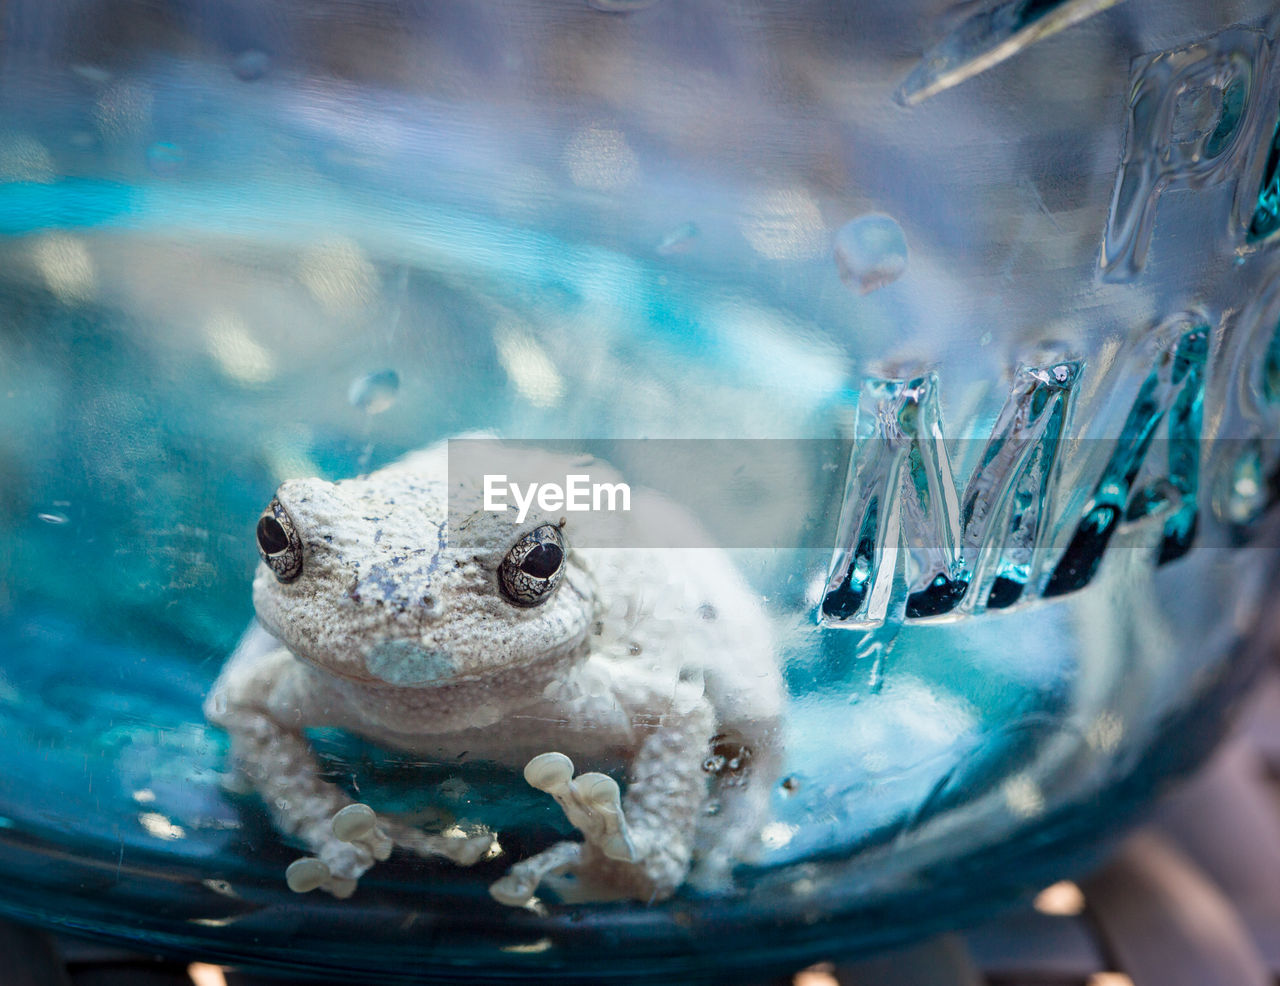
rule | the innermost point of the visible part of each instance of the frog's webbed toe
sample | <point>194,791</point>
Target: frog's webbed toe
<point>355,841</point>
<point>592,803</point>
<point>590,870</point>
<point>642,852</point>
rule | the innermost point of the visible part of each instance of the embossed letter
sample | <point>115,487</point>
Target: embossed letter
<point>1189,112</point>
<point>1174,389</point>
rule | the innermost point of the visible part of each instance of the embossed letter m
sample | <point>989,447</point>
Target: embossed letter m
<point>900,491</point>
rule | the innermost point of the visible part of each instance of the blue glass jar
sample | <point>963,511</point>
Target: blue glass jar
<point>955,332</point>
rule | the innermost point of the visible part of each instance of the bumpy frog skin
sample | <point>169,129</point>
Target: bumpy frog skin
<point>375,618</point>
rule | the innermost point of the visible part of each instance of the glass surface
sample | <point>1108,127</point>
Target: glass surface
<point>961,325</point>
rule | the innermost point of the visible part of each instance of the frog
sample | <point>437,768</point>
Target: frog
<point>393,606</point>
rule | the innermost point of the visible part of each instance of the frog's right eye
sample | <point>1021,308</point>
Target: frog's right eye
<point>278,542</point>
<point>533,567</point>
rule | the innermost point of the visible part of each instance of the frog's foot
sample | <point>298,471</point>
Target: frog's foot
<point>517,888</point>
<point>356,843</point>
<point>591,802</point>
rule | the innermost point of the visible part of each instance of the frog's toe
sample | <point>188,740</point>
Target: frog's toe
<point>340,887</point>
<point>357,825</point>
<point>514,890</point>
<point>354,822</point>
<point>603,800</point>
<point>469,851</point>
<point>550,772</point>
<point>306,874</point>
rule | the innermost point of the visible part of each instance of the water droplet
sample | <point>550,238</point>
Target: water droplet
<point>870,252</point>
<point>620,6</point>
<point>728,754</point>
<point>678,240</point>
<point>165,157</point>
<point>54,517</point>
<point>373,393</point>
<point>251,65</point>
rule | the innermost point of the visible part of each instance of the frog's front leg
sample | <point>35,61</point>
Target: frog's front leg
<point>638,845</point>
<point>280,766</point>
<point>264,698</point>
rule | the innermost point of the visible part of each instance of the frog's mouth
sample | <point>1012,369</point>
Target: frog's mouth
<point>405,664</point>
<point>412,705</point>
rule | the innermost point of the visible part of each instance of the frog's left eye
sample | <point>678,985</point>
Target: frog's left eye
<point>278,542</point>
<point>533,567</point>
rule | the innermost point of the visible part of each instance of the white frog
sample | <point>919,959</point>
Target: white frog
<point>501,641</point>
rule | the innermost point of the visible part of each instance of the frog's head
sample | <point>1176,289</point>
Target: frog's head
<point>364,579</point>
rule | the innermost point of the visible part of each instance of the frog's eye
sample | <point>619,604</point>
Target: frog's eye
<point>278,542</point>
<point>533,568</point>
